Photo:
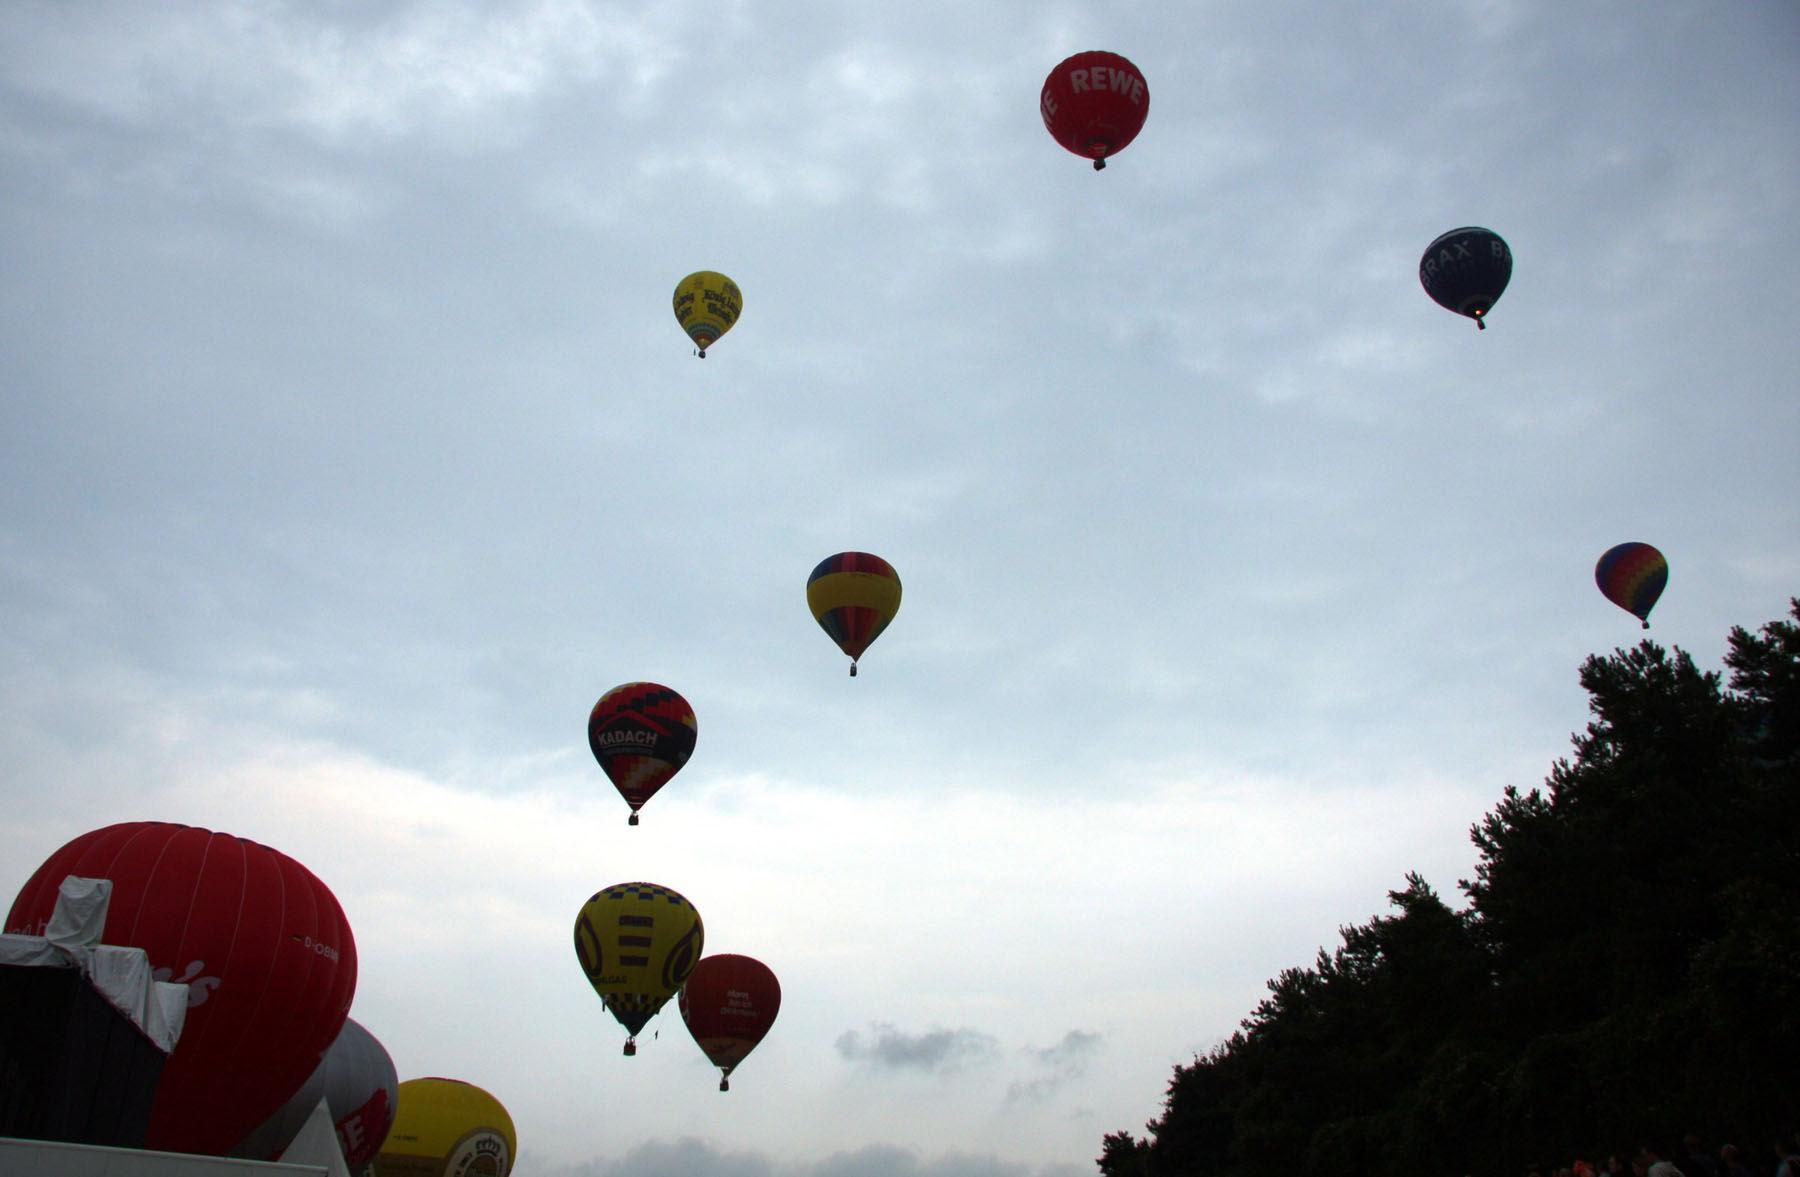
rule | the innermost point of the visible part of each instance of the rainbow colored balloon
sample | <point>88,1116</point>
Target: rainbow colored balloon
<point>1633,576</point>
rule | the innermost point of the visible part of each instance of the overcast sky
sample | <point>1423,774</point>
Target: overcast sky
<point>349,451</point>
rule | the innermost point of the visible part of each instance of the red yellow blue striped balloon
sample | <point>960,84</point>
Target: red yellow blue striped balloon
<point>853,596</point>
<point>1633,576</point>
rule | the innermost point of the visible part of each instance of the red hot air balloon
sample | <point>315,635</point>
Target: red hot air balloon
<point>641,733</point>
<point>261,943</point>
<point>1094,104</point>
<point>729,1003</point>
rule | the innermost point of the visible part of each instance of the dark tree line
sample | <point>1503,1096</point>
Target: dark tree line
<point>1627,969</point>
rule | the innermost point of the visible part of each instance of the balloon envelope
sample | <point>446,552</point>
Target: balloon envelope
<point>853,596</point>
<point>1633,576</point>
<point>1466,270</point>
<point>641,733</point>
<point>729,1003</point>
<point>637,943</point>
<point>261,943</point>
<point>356,1079</point>
<point>707,303</point>
<point>447,1128</point>
<point>1094,104</point>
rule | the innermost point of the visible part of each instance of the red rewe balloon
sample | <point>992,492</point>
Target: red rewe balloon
<point>1094,104</point>
<point>261,943</point>
<point>729,1003</point>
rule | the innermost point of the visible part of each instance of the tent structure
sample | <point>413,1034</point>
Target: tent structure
<point>84,1027</point>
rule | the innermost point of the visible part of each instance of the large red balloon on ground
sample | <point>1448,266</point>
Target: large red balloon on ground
<point>1094,104</point>
<point>729,1003</point>
<point>261,943</point>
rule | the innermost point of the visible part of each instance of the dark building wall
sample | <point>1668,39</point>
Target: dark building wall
<point>72,1067</point>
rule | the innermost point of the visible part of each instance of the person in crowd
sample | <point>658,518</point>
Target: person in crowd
<point>1731,1162</point>
<point>1654,1164</point>
<point>1787,1164</point>
<point>1694,1160</point>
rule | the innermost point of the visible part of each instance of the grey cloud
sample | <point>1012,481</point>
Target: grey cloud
<point>1055,1066</point>
<point>939,1050</point>
<point>1075,1046</point>
<point>690,1157</point>
<point>887,1161</point>
<point>686,1157</point>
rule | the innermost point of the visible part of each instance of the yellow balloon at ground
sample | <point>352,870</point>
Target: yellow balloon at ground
<point>447,1128</point>
<point>637,943</point>
<point>706,305</point>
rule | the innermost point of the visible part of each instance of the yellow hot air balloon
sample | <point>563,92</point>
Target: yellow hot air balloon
<point>707,303</point>
<point>637,943</point>
<point>447,1128</point>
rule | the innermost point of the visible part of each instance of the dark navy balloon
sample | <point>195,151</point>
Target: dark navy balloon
<point>1466,270</point>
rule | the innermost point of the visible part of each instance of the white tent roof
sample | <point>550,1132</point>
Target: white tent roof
<point>121,975</point>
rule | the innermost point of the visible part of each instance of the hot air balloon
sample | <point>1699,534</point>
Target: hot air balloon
<point>261,943</point>
<point>853,596</point>
<point>637,943</point>
<point>1633,576</point>
<point>1466,270</point>
<point>729,1003</point>
<point>706,305</point>
<point>641,733</point>
<point>356,1080</point>
<point>447,1128</point>
<point>1094,104</point>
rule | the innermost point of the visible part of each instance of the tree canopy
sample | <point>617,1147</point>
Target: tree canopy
<point>1626,970</point>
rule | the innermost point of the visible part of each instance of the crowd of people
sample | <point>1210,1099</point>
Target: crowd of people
<point>1691,1159</point>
